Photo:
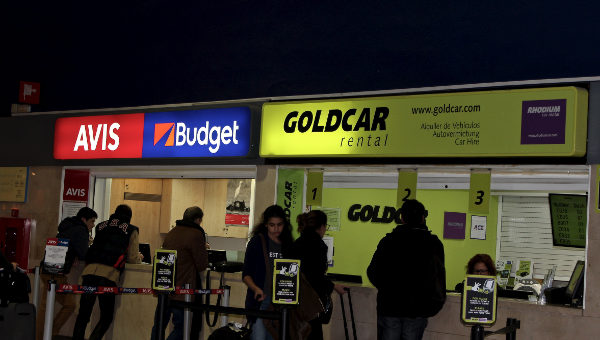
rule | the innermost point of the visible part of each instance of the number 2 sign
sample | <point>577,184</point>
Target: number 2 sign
<point>407,186</point>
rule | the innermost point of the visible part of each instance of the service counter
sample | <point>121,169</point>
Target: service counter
<point>134,314</point>
<point>537,321</point>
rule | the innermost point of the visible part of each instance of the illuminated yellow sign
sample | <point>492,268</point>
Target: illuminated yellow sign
<point>531,122</point>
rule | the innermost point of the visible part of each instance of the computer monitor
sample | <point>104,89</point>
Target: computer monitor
<point>574,289</point>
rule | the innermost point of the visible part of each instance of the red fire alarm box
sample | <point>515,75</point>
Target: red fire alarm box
<point>14,239</point>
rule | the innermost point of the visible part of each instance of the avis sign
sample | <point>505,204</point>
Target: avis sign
<point>194,133</point>
<point>76,185</point>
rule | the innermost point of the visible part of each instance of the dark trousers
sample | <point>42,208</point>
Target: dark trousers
<point>196,320</point>
<point>177,313</point>
<point>400,328</point>
<point>86,305</point>
<point>316,330</point>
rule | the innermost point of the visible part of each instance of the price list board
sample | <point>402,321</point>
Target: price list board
<point>569,219</point>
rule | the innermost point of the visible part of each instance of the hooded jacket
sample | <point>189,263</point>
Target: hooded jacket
<point>76,231</point>
<point>403,270</point>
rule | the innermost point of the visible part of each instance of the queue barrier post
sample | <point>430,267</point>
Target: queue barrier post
<point>225,303</point>
<point>187,316</point>
<point>49,316</point>
<point>477,332</point>
<point>36,288</point>
<point>162,305</point>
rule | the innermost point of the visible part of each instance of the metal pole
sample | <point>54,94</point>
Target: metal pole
<point>284,323</point>
<point>162,299</point>
<point>477,332</point>
<point>225,303</point>
<point>36,288</point>
<point>49,317</point>
<point>187,315</point>
<point>513,334</point>
<point>351,312</point>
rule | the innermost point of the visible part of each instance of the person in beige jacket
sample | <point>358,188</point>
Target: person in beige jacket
<point>189,240</point>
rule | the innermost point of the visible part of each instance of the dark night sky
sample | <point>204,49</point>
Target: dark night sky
<point>131,53</point>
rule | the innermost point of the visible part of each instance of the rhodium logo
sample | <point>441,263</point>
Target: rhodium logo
<point>161,129</point>
<point>197,133</point>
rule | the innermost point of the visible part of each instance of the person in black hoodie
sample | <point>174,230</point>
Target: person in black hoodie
<point>310,249</point>
<point>77,230</point>
<point>408,271</point>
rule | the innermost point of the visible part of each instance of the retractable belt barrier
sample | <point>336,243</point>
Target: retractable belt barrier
<point>79,289</point>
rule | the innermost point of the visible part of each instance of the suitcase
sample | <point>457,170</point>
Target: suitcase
<point>17,321</point>
<point>351,315</point>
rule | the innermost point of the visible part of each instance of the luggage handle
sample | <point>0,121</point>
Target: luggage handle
<point>347,289</point>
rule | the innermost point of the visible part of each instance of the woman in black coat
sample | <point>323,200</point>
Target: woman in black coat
<point>310,249</point>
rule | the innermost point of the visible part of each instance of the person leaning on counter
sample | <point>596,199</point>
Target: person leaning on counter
<point>116,242</point>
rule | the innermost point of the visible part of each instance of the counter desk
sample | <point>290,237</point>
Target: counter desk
<point>537,321</point>
<point>134,314</point>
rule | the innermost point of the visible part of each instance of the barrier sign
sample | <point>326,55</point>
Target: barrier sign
<point>163,271</point>
<point>56,254</point>
<point>286,281</point>
<point>479,300</point>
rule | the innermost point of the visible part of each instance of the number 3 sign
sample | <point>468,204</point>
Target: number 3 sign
<point>479,192</point>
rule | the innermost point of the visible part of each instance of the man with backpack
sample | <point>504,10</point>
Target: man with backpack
<point>77,230</point>
<point>408,271</point>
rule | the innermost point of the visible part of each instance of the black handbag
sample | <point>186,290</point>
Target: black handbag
<point>325,316</point>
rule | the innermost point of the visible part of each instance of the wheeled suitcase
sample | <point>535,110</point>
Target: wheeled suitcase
<point>351,314</point>
<point>17,321</point>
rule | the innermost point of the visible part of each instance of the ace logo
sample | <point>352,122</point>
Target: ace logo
<point>112,136</point>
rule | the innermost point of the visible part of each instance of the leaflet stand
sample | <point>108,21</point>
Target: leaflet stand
<point>163,282</point>
<point>286,288</point>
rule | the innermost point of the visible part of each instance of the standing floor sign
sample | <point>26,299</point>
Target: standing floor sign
<point>163,271</point>
<point>479,300</point>
<point>286,281</point>
<point>55,256</point>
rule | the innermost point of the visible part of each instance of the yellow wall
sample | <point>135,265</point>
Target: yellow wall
<point>356,241</point>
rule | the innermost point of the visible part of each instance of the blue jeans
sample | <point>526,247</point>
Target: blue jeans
<point>177,333</point>
<point>397,328</point>
<point>259,331</point>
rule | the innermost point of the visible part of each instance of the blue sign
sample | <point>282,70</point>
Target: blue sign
<point>197,133</point>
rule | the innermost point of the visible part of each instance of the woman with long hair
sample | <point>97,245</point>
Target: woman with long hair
<point>271,239</point>
<point>310,249</point>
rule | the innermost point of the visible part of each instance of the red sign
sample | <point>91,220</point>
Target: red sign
<point>76,185</point>
<point>113,136</point>
<point>236,219</point>
<point>29,92</point>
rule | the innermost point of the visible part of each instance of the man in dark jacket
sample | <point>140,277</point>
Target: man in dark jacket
<point>408,271</point>
<point>115,243</point>
<point>189,239</point>
<point>77,230</point>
